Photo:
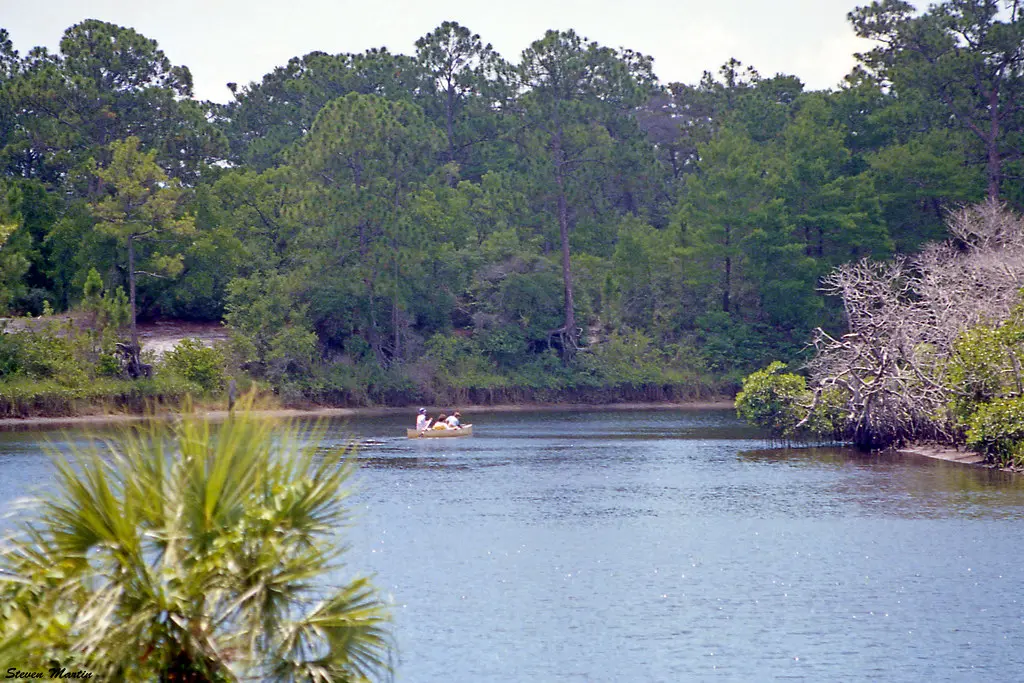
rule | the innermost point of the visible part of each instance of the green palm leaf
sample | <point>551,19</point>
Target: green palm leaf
<point>189,550</point>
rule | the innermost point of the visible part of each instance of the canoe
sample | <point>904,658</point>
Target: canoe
<point>467,430</point>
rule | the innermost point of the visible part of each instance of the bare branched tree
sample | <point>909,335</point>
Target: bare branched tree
<point>903,318</point>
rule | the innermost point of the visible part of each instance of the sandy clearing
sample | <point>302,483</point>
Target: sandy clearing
<point>157,337</point>
<point>948,453</point>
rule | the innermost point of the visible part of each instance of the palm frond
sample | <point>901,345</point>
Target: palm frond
<point>194,548</point>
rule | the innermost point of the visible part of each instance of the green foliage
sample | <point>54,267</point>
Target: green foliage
<point>996,430</point>
<point>960,60</point>
<point>633,359</point>
<point>106,315</point>
<point>467,76</point>
<point>270,334</point>
<point>362,163</point>
<point>196,363</point>
<point>579,94</point>
<point>720,212</point>
<point>461,363</point>
<point>371,202</point>
<point>986,364</point>
<point>985,379</point>
<point>829,417</point>
<point>20,397</point>
<point>142,203</point>
<point>533,301</point>
<point>975,370</point>
<point>506,344</point>
<point>58,370</point>
<point>774,400</point>
<point>912,178</point>
<point>266,118</point>
<point>642,290</point>
<point>208,263</point>
<point>544,373</point>
<point>40,355</point>
<point>13,265</point>
<point>731,348</point>
<point>108,310</point>
<point>92,290</point>
<point>206,550</point>
<point>142,199</point>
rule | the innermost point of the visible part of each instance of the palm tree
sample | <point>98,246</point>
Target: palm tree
<point>187,553</point>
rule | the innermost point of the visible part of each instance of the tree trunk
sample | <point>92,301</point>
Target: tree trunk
<point>994,165</point>
<point>370,334</point>
<point>563,233</point>
<point>727,284</point>
<point>450,121</point>
<point>374,332</point>
<point>397,353</point>
<point>131,291</point>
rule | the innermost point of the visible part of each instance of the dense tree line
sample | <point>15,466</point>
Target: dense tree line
<point>450,223</point>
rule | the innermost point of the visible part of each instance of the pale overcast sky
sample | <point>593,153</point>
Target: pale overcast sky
<point>241,40</point>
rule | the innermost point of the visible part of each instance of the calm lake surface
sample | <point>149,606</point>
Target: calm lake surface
<point>671,546</point>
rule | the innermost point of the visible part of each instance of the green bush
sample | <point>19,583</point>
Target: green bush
<point>985,365</point>
<point>774,400</point>
<point>505,344</point>
<point>20,397</point>
<point>108,309</point>
<point>40,355</point>
<point>628,359</point>
<point>544,371</point>
<point>996,430</point>
<point>196,363</point>
<point>461,363</point>
<point>830,417</point>
<point>731,348</point>
<point>270,333</point>
<point>108,365</point>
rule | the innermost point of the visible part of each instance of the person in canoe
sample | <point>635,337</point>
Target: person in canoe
<point>441,422</point>
<point>453,421</point>
<point>422,421</point>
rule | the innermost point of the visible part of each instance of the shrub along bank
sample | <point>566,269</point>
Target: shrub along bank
<point>67,370</point>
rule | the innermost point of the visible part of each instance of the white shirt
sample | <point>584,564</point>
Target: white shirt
<point>452,421</point>
<point>421,422</point>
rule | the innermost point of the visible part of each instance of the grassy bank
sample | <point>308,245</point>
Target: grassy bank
<point>47,399</point>
<point>313,412</point>
<point>500,394</point>
<point>60,371</point>
<point>27,398</point>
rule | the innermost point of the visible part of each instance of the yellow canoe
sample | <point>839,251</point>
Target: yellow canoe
<point>466,430</point>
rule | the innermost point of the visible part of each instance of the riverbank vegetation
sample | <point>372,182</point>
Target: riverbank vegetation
<point>933,350</point>
<point>191,553</point>
<point>449,225</point>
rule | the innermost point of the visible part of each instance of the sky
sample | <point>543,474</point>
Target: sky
<point>239,41</point>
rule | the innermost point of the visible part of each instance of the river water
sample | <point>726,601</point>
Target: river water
<point>671,546</point>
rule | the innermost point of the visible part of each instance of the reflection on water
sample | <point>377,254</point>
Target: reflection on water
<point>672,546</point>
<point>901,484</point>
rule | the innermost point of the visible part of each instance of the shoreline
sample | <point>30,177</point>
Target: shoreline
<point>947,453</point>
<point>9,424</point>
<point>16,424</point>
<point>953,454</point>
